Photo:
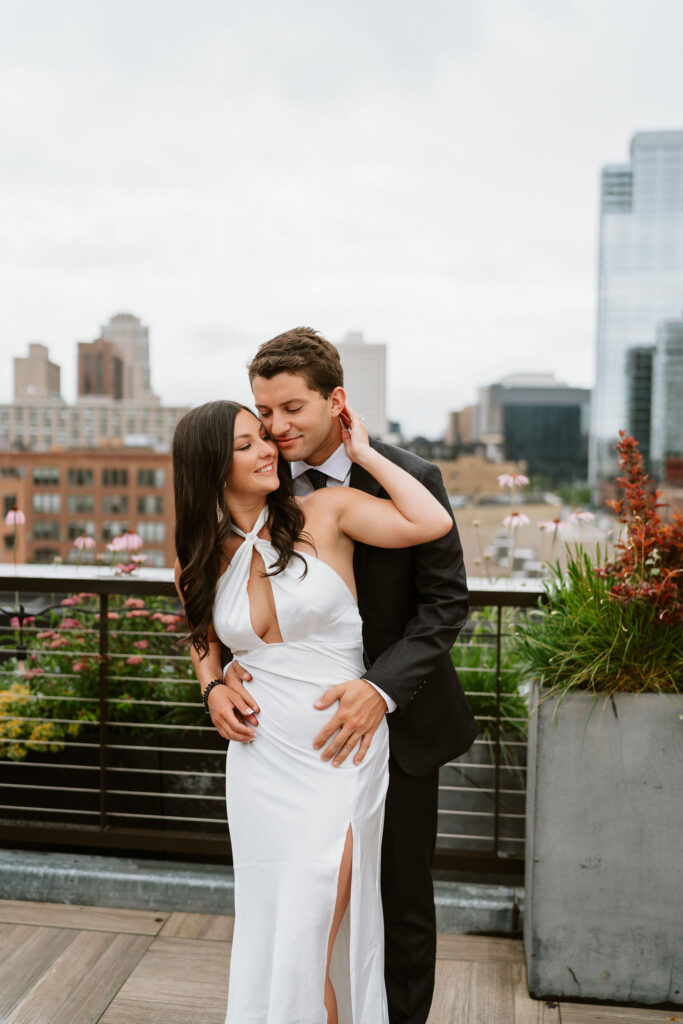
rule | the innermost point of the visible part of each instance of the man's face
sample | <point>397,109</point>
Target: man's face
<point>303,423</point>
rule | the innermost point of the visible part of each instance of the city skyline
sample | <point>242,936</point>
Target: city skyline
<point>640,289</point>
<point>427,175</point>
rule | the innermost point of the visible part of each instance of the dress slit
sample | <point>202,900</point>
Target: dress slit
<point>341,966</point>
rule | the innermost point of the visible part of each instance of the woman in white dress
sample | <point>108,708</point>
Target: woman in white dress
<point>271,576</point>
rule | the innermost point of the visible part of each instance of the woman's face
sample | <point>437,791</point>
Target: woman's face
<point>254,458</point>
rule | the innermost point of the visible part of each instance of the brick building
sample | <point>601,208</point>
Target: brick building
<point>97,491</point>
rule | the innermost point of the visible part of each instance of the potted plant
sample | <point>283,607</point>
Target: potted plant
<point>603,904</point>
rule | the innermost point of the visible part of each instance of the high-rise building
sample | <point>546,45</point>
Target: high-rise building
<point>667,401</point>
<point>35,376</point>
<point>639,396</point>
<point>365,383</point>
<point>39,419</point>
<point>100,369</point>
<point>640,282</point>
<point>131,338</point>
<point>538,420</point>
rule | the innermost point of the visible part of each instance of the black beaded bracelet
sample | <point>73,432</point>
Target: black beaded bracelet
<point>207,691</point>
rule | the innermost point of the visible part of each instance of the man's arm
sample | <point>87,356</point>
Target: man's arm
<point>441,584</point>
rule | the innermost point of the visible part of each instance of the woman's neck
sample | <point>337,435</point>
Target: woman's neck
<point>244,514</point>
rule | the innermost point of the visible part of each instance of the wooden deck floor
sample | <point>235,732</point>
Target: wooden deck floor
<point>81,965</point>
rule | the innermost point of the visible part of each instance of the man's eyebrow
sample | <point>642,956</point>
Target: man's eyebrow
<point>288,401</point>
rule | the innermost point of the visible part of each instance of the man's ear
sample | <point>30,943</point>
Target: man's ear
<point>337,401</point>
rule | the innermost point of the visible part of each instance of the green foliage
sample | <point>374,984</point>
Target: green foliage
<point>583,638</point>
<point>54,691</point>
<point>475,661</point>
<point>616,626</point>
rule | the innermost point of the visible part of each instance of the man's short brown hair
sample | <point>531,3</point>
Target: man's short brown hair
<point>301,350</point>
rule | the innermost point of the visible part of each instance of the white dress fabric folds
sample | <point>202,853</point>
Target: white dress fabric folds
<point>289,812</point>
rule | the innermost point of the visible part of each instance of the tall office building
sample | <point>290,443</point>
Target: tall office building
<point>131,338</point>
<point>365,380</point>
<point>640,281</point>
<point>667,401</point>
<point>538,420</point>
<point>35,376</point>
<point>101,369</point>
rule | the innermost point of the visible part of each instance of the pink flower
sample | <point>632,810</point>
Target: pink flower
<point>110,615</point>
<point>553,525</point>
<point>125,567</point>
<point>68,601</point>
<point>84,542</point>
<point>14,622</point>
<point>141,644</point>
<point>130,541</point>
<point>15,517</point>
<point>79,666</point>
<point>581,517</point>
<point>134,602</point>
<point>61,641</point>
<point>135,659</point>
<point>138,613</point>
<point>138,559</point>
<point>46,635</point>
<point>516,519</point>
<point>513,480</point>
<point>70,624</point>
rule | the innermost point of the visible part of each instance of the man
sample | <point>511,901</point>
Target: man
<point>413,603</point>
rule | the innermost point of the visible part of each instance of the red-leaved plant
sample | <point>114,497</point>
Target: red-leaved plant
<point>649,562</point>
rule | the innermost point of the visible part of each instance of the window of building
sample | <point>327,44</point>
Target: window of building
<point>80,503</point>
<point>45,556</point>
<point>152,533</point>
<point>15,472</point>
<point>46,529</point>
<point>46,502</point>
<point>115,477</point>
<point>112,528</point>
<point>8,503</point>
<point>77,528</point>
<point>150,505</point>
<point>9,541</point>
<point>80,478</point>
<point>115,504</point>
<point>47,476</point>
<point>151,478</point>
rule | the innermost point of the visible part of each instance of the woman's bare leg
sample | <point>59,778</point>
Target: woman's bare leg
<point>343,896</point>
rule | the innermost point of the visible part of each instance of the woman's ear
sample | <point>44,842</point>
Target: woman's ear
<point>337,401</point>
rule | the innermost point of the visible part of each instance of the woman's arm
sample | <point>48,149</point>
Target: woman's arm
<point>221,708</point>
<point>412,515</point>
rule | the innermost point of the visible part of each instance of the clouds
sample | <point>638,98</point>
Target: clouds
<point>426,172</point>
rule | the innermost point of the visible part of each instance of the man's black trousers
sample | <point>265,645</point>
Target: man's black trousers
<point>408,843</point>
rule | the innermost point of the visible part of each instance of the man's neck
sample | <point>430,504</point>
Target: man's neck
<point>328,448</point>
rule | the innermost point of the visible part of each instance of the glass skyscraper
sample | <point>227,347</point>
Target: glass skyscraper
<point>640,281</point>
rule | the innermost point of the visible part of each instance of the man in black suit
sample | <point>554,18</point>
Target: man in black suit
<point>413,603</point>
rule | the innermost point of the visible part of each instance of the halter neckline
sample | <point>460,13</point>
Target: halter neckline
<point>258,525</point>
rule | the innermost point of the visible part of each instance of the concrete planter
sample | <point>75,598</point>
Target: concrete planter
<point>604,891</point>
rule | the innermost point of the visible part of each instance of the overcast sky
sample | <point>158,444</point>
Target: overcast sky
<point>426,172</point>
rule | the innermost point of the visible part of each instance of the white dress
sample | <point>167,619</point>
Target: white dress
<point>289,812</point>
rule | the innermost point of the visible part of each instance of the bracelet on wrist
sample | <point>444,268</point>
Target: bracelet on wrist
<point>207,691</point>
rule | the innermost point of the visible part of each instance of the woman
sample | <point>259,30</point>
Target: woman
<point>271,577</point>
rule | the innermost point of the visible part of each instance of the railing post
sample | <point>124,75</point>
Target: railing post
<point>496,794</point>
<point>104,704</point>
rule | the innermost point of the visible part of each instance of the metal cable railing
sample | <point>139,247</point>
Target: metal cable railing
<point>103,742</point>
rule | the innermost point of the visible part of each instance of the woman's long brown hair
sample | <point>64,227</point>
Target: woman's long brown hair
<point>202,451</point>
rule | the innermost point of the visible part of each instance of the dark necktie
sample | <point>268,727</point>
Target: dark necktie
<point>317,478</point>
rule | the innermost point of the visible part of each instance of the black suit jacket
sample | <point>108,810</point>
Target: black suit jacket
<point>413,602</point>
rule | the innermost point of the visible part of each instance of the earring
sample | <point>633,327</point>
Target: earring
<point>219,514</point>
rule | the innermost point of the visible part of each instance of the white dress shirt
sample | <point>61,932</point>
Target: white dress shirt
<point>338,471</point>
